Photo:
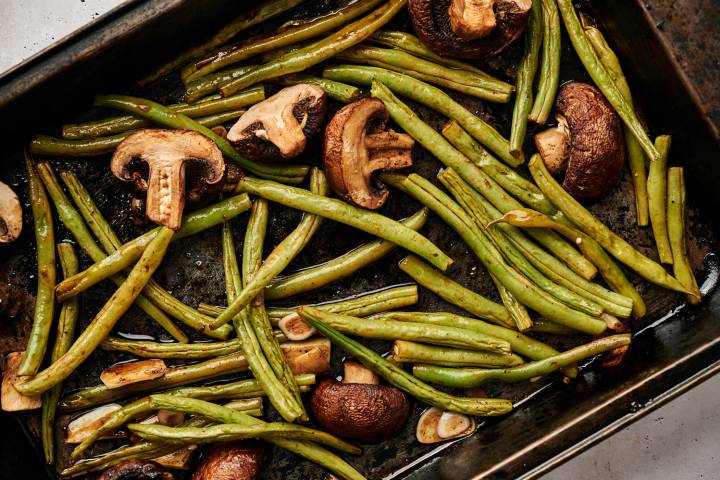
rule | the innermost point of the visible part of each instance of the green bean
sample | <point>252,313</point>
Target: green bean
<point>526,292</point>
<point>635,157</point>
<point>308,450</point>
<point>213,105</point>
<point>542,325</point>
<point>469,199</point>
<point>400,61</point>
<point>229,432</point>
<point>474,377</point>
<point>341,267</point>
<point>288,34</point>
<point>74,223</point>
<point>609,270</point>
<point>428,95</point>
<point>166,117</point>
<point>63,339</point>
<point>412,352</point>
<point>676,231</point>
<point>128,253</point>
<point>438,146</point>
<point>264,11</point>
<point>525,80</point>
<point>657,199</point>
<point>550,65</point>
<point>601,77</point>
<point>233,280</point>
<point>195,90</point>
<point>518,312</point>
<point>352,34</point>
<point>92,147</point>
<point>335,90</point>
<point>397,377</point>
<point>45,297</point>
<point>454,293</point>
<point>586,222</point>
<point>147,349</point>
<point>104,320</point>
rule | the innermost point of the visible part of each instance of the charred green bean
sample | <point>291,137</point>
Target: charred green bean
<point>676,231</point>
<point>550,65</point>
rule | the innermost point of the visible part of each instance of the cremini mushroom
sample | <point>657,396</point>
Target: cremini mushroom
<point>437,425</point>
<point>170,165</point>
<point>358,407</point>
<point>10,399</point>
<point>280,127</point>
<point>132,372</point>
<point>471,29</point>
<point>136,470</point>
<point>83,426</point>
<point>587,145</point>
<point>308,356</point>
<point>10,215</point>
<point>241,460</point>
<point>357,145</point>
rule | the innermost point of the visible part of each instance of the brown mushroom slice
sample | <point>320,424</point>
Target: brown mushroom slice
<point>168,154</point>
<point>136,470</point>
<point>357,145</point>
<point>363,411</point>
<point>10,215</point>
<point>309,356</point>
<point>295,328</point>
<point>83,426</point>
<point>132,372</point>
<point>437,425</point>
<point>10,399</point>
<point>471,29</point>
<point>279,127</point>
<point>595,149</point>
<point>241,460</point>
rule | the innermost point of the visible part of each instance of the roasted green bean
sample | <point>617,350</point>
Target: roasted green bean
<point>474,377</point>
<point>550,65</point>
<point>397,377</point>
<point>542,325</point>
<point>657,198</point>
<point>412,352</point>
<point>676,231</point>
<point>195,90</point>
<point>45,297</point>
<point>335,90</point>
<point>518,312</point>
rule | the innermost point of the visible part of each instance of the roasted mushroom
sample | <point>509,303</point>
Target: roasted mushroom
<point>10,215</point>
<point>164,156</point>
<point>471,29</point>
<point>10,399</point>
<point>136,470</point>
<point>125,373</point>
<point>357,145</point>
<point>358,407</point>
<point>587,145</point>
<point>436,425</point>
<point>280,127</point>
<point>231,461</point>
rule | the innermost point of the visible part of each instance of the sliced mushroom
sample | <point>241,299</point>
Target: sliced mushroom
<point>10,215</point>
<point>169,155</point>
<point>471,29</point>
<point>357,145</point>
<point>136,470</point>
<point>280,126</point>
<point>132,372</point>
<point>364,411</point>
<point>437,425</point>
<point>587,146</point>
<point>11,399</point>
<point>295,328</point>
<point>231,461</point>
<point>83,426</point>
<point>309,356</point>
<point>181,459</point>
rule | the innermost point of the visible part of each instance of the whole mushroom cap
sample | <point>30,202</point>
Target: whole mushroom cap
<point>240,460</point>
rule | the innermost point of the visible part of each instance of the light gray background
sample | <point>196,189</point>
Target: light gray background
<point>678,441</point>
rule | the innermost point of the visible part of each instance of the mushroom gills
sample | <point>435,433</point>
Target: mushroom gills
<point>10,214</point>
<point>437,425</point>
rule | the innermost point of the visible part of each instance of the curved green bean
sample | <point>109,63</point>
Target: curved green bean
<point>63,340</point>
<point>45,297</point>
<point>352,34</point>
<point>657,199</point>
<point>518,312</point>
<point>335,90</point>
<point>525,80</point>
<point>166,117</point>
<point>398,377</point>
<point>676,231</point>
<point>475,377</point>
<point>338,268</point>
<point>550,65</point>
<point>412,352</point>
<point>586,222</point>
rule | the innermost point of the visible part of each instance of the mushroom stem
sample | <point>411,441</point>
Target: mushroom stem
<point>472,19</point>
<point>356,372</point>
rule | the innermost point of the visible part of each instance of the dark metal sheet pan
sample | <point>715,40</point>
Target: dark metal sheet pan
<point>674,349</point>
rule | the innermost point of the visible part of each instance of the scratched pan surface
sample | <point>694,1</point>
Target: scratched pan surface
<point>675,342</point>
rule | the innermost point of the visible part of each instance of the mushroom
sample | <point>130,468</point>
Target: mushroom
<point>437,425</point>
<point>358,407</point>
<point>10,399</point>
<point>587,145</point>
<point>295,328</point>
<point>309,356</point>
<point>357,145</point>
<point>471,29</point>
<point>241,460</point>
<point>132,372</point>
<point>10,215</point>
<point>136,470</point>
<point>83,426</point>
<point>280,126</point>
<point>169,155</point>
